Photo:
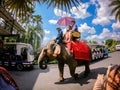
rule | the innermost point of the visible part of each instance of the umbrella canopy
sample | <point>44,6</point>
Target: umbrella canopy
<point>65,21</point>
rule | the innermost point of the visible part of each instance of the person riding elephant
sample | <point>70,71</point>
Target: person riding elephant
<point>58,40</point>
<point>64,57</point>
<point>68,37</point>
<point>74,30</point>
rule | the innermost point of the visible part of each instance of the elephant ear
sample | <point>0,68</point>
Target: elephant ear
<point>57,49</point>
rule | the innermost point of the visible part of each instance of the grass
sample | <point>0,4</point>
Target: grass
<point>52,62</point>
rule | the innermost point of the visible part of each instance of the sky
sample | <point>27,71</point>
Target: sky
<point>93,19</point>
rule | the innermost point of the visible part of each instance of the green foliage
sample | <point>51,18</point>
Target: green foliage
<point>35,62</point>
<point>94,42</point>
<point>109,42</point>
<point>116,9</point>
<point>24,8</point>
<point>114,43</point>
<point>53,62</point>
<point>34,32</point>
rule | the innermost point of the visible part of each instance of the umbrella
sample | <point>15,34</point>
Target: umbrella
<point>65,21</point>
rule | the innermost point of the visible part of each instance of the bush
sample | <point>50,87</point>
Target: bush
<point>53,62</point>
<point>35,62</point>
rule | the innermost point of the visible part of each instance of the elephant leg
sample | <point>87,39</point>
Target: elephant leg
<point>87,68</point>
<point>61,71</point>
<point>72,66</point>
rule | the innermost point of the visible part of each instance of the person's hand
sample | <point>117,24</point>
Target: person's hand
<point>99,84</point>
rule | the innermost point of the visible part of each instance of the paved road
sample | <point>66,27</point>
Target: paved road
<point>38,79</point>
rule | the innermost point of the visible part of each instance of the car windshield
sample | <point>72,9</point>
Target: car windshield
<point>30,48</point>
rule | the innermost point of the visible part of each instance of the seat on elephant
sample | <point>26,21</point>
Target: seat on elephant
<point>80,50</point>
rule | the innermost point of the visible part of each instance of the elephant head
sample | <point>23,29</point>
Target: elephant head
<point>46,54</point>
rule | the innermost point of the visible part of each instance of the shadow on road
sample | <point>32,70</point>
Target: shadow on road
<point>81,80</point>
<point>27,78</point>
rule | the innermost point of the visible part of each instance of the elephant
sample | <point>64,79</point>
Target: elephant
<point>64,57</point>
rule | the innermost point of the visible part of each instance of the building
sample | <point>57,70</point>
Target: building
<point>9,25</point>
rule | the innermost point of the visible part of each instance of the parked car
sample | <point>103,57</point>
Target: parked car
<point>117,47</point>
<point>98,51</point>
<point>18,55</point>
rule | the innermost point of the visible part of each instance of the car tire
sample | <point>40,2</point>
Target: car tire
<point>19,67</point>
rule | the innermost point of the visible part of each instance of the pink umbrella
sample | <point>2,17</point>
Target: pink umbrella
<point>65,21</point>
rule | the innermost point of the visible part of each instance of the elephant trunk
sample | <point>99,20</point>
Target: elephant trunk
<point>42,60</point>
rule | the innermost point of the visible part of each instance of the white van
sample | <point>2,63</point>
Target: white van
<point>117,47</point>
<point>17,54</point>
<point>98,51</point>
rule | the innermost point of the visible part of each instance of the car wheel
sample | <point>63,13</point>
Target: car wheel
<point>19,67</point>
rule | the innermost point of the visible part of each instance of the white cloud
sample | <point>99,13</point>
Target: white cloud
<point>116,26</point>
<point>115,35</point>
<point>59,12</point>
<point>101,37</point>
<point>47,32</point>
<point>80,11</point>
<point>93,1</point>
<point>85,29</point>
<point>52,21</point>
<point>46,39</point>
<point>101,20</point>
<point>103,12</point>
<point>106,34</point>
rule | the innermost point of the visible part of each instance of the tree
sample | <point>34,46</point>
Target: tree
<point>22,8</point>
<point>94,42</point>
<point>34,33</point>
<point>37,19</point>
<point>109,42</point>
<point>114,43</point>
<point>62,4</point>
<point>116,8</point>
<point>19,8</point>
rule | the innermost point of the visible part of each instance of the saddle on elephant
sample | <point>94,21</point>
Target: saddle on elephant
<point>79,49</point>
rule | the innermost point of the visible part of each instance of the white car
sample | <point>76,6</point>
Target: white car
<point>117,47</point>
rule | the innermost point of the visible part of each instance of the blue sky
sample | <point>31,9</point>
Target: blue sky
<point>93,19</point>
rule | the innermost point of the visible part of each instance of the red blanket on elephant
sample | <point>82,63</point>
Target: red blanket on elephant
<point>79,49</point>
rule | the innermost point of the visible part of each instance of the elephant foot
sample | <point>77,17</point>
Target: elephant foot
<point>61,79</point>
<point>76,76</point>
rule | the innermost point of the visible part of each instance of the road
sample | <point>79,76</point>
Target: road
<point>38,79</point>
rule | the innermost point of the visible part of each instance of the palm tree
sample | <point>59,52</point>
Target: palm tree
<point>19,8</point>
<point>35,36</point>
<point>62,4</point>
<point>37,19</point>
<point>116,8</point>
<point>23,7</point>
<point>34,32</point>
